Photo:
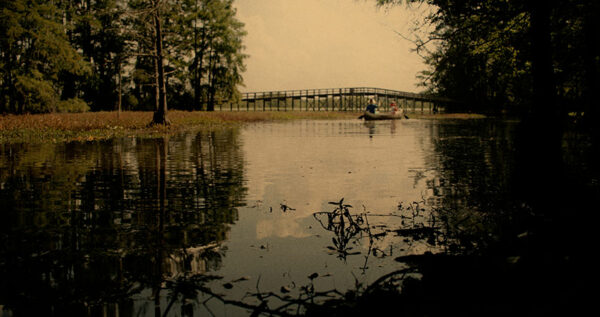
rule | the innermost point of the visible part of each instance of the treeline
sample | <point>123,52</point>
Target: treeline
<point>491,54</point>
<point>79,55</point>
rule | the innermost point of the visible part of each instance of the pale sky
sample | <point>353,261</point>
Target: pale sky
<point>304,44</point>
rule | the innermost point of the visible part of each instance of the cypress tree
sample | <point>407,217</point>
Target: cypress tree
<point>34,50</point>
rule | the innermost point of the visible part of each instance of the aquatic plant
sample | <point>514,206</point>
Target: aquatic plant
<point>344,226</point>
<point>59,127</point>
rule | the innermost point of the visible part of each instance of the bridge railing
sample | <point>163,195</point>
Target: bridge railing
<point>333,99</point>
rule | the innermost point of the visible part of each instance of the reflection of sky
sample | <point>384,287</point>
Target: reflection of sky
<point>300,164</point>
<point>306,164</point>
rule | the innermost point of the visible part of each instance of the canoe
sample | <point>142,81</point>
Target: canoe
<point>382,116</point>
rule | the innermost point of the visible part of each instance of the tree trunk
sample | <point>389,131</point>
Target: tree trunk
<point>197,85</point>
<point>544,87</point>
<point>160,114</point>
<point>156,83</point>
<point>120,87</point>
<point>68,79</point>
<point>592,83</point>
<point>197,66</point>
<point>211,88</point>
<point>540,133</point>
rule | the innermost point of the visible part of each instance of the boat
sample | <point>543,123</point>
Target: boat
<point>383,116</point>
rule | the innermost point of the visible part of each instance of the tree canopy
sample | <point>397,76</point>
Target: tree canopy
<point>34,53</point>
<point>105,54</point>
<point>507,55</point>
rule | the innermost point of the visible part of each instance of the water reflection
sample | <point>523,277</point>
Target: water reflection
<point>344,226</point>
<point>85,227</point>
<point>149,226</point>
<point>471,188</point>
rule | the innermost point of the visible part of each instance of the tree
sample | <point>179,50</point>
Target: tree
<point>202,44</point>
<point>160,113</point>
<point>540,57</point>
<point>97,30</point>
<point>53,56</point>
<point>225,60</point>
<point>34,51</point>
<point>531,56</point>
<point>217,63</point>
<point>148,22</point>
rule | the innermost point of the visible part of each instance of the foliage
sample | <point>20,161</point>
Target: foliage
<point>34,52</point>
<point>484,53</point>
<point>104,53</point>
<point>97,30</point>
<point>209,32</point>
<point>202,49</point>
<point>72,105</point>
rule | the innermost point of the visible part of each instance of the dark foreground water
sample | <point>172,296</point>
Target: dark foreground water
<point>215,222</point>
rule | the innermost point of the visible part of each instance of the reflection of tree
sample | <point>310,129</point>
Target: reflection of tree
<point>489,262</point>
<point>494,261</point>
<point>471,184</point>
<point>84,225</point>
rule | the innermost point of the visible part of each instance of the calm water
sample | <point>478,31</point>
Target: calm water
<point>117,228</point>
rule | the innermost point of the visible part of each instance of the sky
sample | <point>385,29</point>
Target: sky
<point>305,44</point>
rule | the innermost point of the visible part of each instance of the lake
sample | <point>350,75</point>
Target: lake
<point>141,226</point>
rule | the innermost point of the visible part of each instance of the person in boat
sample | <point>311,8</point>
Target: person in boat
<point>393,108</point>
<point>372,106</point>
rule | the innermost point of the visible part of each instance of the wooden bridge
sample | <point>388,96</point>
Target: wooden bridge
<point>334,99</point>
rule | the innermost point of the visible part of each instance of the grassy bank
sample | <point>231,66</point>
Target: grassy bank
<point>60,127</point>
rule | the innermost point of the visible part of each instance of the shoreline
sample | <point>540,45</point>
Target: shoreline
<point>90,126</point>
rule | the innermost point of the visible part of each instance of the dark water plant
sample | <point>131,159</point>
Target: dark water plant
<point>344,226</point>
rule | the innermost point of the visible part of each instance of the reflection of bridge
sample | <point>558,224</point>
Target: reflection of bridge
<point>335,99</point>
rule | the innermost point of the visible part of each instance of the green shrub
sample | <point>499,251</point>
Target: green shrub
<point>131,102</point>
<point>38,95</point>
<point>72,105</point>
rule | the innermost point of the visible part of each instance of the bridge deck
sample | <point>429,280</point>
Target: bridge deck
<point>334,99</point>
